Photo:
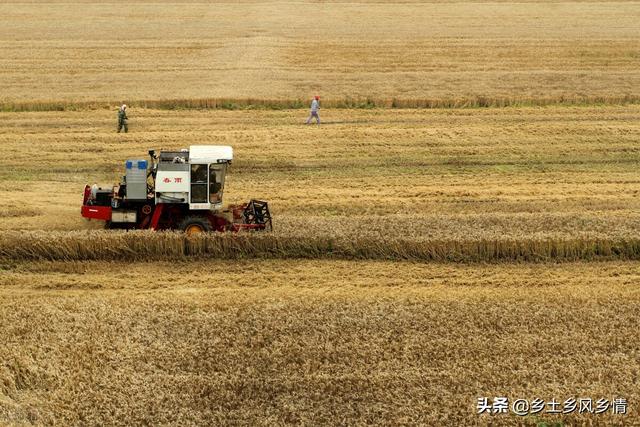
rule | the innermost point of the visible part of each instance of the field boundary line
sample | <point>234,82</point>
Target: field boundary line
<point>340,103</point>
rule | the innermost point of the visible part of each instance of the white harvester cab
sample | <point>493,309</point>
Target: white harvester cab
<point>194,176</point>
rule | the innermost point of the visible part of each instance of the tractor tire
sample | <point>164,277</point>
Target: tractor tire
<point>195,224</point>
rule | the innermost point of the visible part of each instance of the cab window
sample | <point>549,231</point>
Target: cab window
<point>216,182</point>
<point>198,183</point>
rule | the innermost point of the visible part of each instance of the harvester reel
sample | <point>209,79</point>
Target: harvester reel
<point>257,212</point>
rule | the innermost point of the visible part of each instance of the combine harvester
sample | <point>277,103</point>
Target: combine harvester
<point>177,190</point>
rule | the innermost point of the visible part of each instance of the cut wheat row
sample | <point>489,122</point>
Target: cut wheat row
<point>101,245</point>
<point>351,103</point>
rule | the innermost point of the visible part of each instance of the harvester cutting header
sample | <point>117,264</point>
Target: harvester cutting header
<point>175,190</point>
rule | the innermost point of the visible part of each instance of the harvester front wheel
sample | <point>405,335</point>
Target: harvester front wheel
<point>194,225</point>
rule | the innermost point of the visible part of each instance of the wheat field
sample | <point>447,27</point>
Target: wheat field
<point>420,259</point>
<point>380,181</point>
<point>312,342</point>
<point>502,51</point>
<point>465,222</point>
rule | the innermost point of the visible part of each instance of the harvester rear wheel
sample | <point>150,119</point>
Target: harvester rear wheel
<point>195,224</point>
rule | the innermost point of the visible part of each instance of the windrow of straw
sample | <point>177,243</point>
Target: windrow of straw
<point>355,103</point>
<point>144,245</point>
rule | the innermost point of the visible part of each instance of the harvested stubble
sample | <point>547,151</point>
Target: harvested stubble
<point>430,173</point>
<point>141,245</point>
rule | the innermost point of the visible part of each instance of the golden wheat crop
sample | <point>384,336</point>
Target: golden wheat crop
<point>267,342</point>
<point>391,53</point>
